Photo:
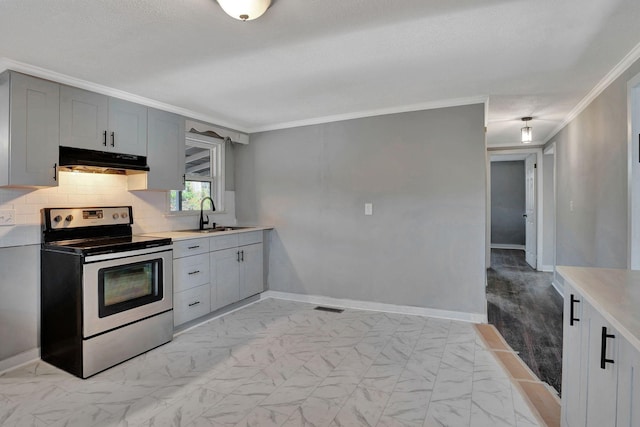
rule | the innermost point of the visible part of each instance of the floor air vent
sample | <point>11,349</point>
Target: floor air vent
<point>329,309</point>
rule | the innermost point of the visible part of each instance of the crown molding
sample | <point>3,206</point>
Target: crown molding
<point>611,76</point>
<point>372,113</point>
<point>9,64</point>
<point>43,73</point>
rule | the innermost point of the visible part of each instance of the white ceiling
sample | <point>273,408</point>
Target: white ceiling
<point>309,61</point>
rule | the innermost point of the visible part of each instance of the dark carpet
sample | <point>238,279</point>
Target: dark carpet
<point>527,310</point>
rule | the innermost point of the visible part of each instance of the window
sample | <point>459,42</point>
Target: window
<point>204,175</point>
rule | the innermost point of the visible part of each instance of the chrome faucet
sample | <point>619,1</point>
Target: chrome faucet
<point>204,222</point>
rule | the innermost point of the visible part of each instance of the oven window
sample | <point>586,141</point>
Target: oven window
<point>128,286</point>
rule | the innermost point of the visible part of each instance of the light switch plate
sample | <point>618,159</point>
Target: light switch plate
<point>7,217</point>
<point>368,208</point>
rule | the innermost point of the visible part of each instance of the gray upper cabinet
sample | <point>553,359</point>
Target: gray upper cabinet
<point>165,153</point>
<point>29,130</point>
<point>97,122</point>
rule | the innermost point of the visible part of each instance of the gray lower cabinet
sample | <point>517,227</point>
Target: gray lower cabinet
<point>221,269</point>
<point>225,278</point>
<point>251,277</point>
<point>574,356</point>
<point>600,369</point>
<point>628,412</point>
<point>29,130</point>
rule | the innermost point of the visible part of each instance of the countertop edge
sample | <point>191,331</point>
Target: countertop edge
<point>177,235</point>
<point>609,313</point>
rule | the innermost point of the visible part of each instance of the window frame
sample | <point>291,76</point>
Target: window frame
<point>217,147</point>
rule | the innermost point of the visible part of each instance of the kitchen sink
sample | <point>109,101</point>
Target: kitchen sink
<point>215,230</point>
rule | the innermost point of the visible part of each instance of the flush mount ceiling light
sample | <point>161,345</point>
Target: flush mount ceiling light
<point>527,135</point>
<point>244,10</point>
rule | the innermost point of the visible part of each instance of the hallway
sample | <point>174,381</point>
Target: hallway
<point>527,310</point>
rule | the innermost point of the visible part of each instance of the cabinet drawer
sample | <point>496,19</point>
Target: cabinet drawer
<point>191,304</point>
<point>191,271</point>
<point>250,238</point>
<point>184,248</point>
<point>224,242</point>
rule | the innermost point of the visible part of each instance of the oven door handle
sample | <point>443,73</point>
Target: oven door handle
<point>127,254</point>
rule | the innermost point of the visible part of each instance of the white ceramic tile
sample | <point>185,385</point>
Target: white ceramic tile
<point>363,408</point>
<point>280,363</point>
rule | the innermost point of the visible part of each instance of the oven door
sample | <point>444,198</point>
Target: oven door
<point>121,288</point>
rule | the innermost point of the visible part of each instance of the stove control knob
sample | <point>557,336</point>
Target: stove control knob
<point>57,218</point>
<point>69,218</point>
<point>115,216</point>
<point>124,214</point>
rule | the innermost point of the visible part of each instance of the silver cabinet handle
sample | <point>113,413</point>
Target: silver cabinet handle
<point>194,303</point>
<point>55,171</point>
<point>113,139</point>
<point>193,272</point>
<point>104,141</point>
<point>242,255</point>
<point>193,247</point>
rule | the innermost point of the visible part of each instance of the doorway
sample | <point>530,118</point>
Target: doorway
<point>516,204</point>
<point>522,302</point>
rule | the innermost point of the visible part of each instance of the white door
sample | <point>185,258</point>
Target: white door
<point>530,210</point>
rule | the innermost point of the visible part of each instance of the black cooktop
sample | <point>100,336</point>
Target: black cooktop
<point>106,245</point>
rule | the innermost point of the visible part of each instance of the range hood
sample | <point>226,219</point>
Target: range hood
<point>93,161</point>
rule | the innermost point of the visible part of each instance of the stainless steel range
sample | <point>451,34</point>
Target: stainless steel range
<point>106,295</point>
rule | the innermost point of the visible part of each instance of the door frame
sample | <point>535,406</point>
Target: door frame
<point>633,168</point>
<point>515,154</point>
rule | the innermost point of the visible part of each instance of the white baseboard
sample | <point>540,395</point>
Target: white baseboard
<point>559,289</point>
<point>19,360</point>
<point>507,246</point>
<point>377,306</point>
<point>547,268</point>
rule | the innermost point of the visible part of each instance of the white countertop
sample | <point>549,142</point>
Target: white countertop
<point>195,234</point>
<point>615,293</point>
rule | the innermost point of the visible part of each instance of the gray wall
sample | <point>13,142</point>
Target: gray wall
<point>507,203</point>
<point>20,300</point>
<point>591,166</point>
<point>423,171</point>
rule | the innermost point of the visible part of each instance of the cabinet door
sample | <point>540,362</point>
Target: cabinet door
<point>35,106</point>
<point>603,378</point>
<point>251,279</point>
<point>83,119</point>
<point>127,127</point>
<point>225,277</point>
<point>165,151</point>
<point>574,359</point>
<point>628,385</point>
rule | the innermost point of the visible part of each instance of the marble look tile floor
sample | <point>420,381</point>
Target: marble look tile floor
<point>281,363</point>
<point>527,310</point>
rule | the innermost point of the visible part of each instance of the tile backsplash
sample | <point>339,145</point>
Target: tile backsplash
<point>150,208</point>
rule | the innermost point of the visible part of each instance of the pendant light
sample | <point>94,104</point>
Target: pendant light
<point>244,10</point>
<point>527,135</point>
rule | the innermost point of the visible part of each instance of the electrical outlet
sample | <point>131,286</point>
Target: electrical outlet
<point>570,205</point>
<point>368,208</point>
<point>7,217</point>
